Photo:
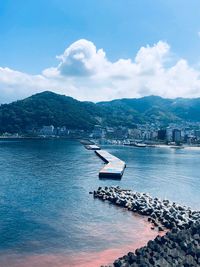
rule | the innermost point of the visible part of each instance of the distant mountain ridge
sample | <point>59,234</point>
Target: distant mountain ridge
<point>158,108</point>
<point>48,108</point>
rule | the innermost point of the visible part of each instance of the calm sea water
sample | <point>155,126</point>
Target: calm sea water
<point>48,218</point>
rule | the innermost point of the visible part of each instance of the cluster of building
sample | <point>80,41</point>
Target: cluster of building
<point>153,133</point>
<point>187,133</point>
<point>51,131</point>
<point>178,133</point>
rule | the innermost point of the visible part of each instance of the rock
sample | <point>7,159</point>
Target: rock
<point>160,228</point>
<point>176,248</point>
<point>117,263</point>
<point>179,247</point>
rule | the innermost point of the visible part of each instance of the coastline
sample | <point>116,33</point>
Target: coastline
<point>187,147</point>
<point>180,245</point>
<point>15,138</point>
<point>107,255</point>
<point>83,259</point>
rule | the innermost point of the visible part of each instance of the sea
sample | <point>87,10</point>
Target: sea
<point>49,219</point>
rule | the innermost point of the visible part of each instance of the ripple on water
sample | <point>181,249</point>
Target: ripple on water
<point>49,219</point>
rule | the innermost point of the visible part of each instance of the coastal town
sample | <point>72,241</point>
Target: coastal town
<point>187,133</point>
<point>100,133</point>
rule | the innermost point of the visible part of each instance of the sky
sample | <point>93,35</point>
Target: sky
<point>99,49</point>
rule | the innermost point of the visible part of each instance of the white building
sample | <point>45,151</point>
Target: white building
<point>47,130</point>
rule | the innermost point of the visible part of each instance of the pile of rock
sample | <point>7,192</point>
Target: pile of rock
<point>162,213</point>
<point>180,248</point>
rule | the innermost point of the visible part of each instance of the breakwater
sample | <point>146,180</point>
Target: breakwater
<point>161,213</point>
<point>114,167</point>
<point>180,246</point>
<point>92,147</point>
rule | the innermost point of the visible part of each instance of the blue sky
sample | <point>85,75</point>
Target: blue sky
<point>34,32</point>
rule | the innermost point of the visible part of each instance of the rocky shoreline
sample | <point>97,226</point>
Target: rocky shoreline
<point>178,247</point>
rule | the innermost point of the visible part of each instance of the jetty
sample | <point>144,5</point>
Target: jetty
<point>92,147</point>
<point>114,167</point>
<point>179,246</point>
<point>86,142</point>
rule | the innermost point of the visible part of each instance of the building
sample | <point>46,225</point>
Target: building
<point>62,131</point>
<point>153,135</point>
<point>197,133</point>
<point>98,132</point>
<point>121,133</point>
<point>176,136</point>
<point>162,134</point>
<point>169,134</point>
<point>47,130</point>
<point>134,133</point>
<point>146,135</point>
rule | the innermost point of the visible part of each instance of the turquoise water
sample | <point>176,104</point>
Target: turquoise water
<point>47,216</point>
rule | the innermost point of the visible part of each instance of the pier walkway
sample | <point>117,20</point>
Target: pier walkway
<point>114,167</point>
<point>92,147</point>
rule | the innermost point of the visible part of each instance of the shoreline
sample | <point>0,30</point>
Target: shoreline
<point>36,138</point>
<point>81,140</point>
<point>177,248</point>
<point>181,223</point>
<point>85,258</point>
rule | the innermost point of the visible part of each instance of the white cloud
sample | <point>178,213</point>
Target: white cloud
<point>82,59</point>
<point>150,60</point>
<point>85,73</point>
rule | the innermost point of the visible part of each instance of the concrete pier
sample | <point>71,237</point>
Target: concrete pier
<point>92,147</point>
<point>114,167</point>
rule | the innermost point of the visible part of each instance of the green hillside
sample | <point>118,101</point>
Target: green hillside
<point>49,108</point>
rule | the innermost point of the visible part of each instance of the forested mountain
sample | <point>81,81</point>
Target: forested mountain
<point>151,108</point>
<point>45,109</point>
<point>49,108</point>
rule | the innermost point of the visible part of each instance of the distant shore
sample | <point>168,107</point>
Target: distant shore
<point>96,141</point>
<point>36,138</point>
<point>179,147</point>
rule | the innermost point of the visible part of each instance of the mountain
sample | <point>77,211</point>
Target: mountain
<point>49,108</point>
<point>155,108</point>
<point>45,109</point>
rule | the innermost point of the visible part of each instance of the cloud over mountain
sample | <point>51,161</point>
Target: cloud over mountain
<point>85,72</point>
